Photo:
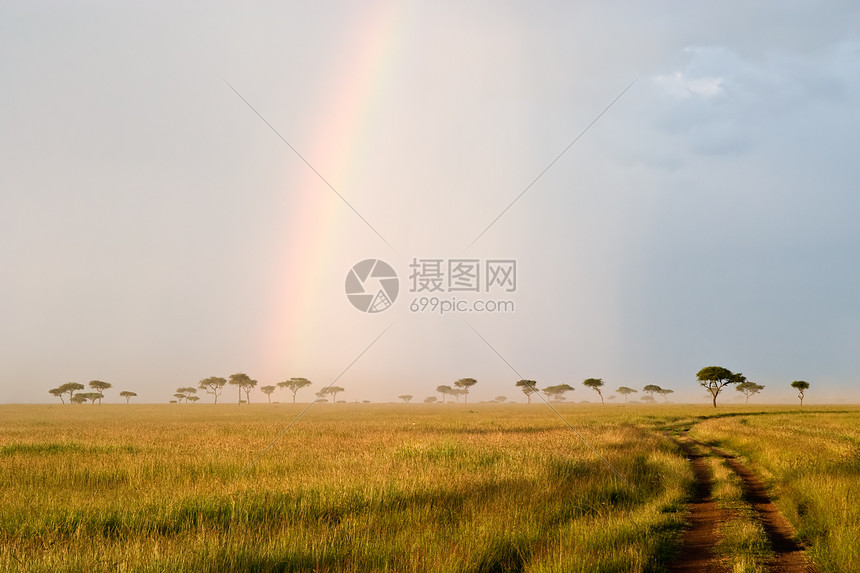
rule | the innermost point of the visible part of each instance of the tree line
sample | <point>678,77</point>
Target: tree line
<point>713,378</point>
<point>73,390</point>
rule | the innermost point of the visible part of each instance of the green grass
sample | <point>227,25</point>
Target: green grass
<point>349,488</point>
<point>811,462</point>
<point>365,487</point>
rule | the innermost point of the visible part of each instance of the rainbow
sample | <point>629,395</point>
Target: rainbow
<point>312,227</point>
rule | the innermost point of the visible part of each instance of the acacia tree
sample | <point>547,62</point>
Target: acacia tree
<point>128,395</point>
<point>99,387</point>
<point>91,396</point>
<point>78,399</point>
<point>651,389</point>
<point>595,384</point>
<point>464,384</point>
<point>715,378</point>
<point>528,387</point>
<point>191,399</point>
<point>664,392</point>
<point>333,390</point>
<point>405,398</point>
<point>445,390</point>
<point>457,392</point>
<point>430,399</point>
<point>70,388</point>
<point>801,387</point>
<point>748,389</point>
<point>57,393</point>
<point>556,393</point>
<point>501,398</point>
<point>625,391</point>
<point>244,383</point>
<point>185,392</point>
<point>213,385</point>
<point>294,385</point>
<point>267,390</point>
<point>179,398</point>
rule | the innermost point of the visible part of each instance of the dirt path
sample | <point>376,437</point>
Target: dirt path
<point>789,556</point>
<point>697,551</point>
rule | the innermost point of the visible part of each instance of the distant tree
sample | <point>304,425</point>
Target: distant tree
<point>173,401</point>
<point>801,387</point>
<point>613,397</point>
<point>625,391</point>
<point>70,388</point>
<point>648,398</point>
<point>664,392</point>
<point>405,397</point>
<point>128,395</point>
<point>365,401</point>
<point>179,397</point>
<point>445,390</point>
<point>99,387</point>
<point>333,391</point>
<point>430,399</point>
<point>501,398</point>
<point>749,389</point>
<point>715,378</point>
<point>595,384</point>
<point>213,385</point>
<point>528,387</point>
<point>91,396</point>
<point>267,390</point>
<point>78,399</point>
<point>244,383</point>
<point>464,384</point>
<point>651,389</point>
<point>57,393</point>
<point>294,385</point>
<point>556,393</point>
<point>191,399</point>
<point>457,392</point>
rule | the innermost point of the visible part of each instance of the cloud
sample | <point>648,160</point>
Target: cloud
<point>682,86</point>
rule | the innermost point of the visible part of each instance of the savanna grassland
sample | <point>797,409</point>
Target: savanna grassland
<point>353,487</point>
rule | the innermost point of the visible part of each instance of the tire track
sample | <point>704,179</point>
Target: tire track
<point>697,552</point>
<point>699,540</point>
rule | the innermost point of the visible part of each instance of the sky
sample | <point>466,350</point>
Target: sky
<point>184,188</point>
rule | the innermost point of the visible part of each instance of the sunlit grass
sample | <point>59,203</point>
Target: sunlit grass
<point>811,460</point>
<point>349,488</point>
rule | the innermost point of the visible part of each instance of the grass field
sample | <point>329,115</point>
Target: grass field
<point>390,487</point>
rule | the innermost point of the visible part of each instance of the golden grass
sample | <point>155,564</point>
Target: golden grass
<point>349,488</point>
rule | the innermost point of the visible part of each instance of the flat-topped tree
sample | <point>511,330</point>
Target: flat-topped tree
<point>333,391</point>
<point>267,390</point>
<point>213,385</point>
<point>78,399</point>
<point>456,393</point>
<point>715,378</point>
<point>651,389</point>
<point>595,384</point>
<point>128,395</point>
<point>556,393</point>
<point>445,390</point>
<point>501,399</point>
<point>91,396</point>
<point>99,387</point>
<point>625,391</point>
<point>749,389</point>
<point>191,399</point>
<point>70,388</point>
<point>464,384</point>
<point>405,397</point>
<point>664,392</point>
<point>528,387</point>
<point>57,393</point>
<point>294,385</point>
<point>801,386</point>
<point>244,383</point>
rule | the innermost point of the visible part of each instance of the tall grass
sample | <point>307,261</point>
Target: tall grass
<point>349,488</point>
<point>811,460</point>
